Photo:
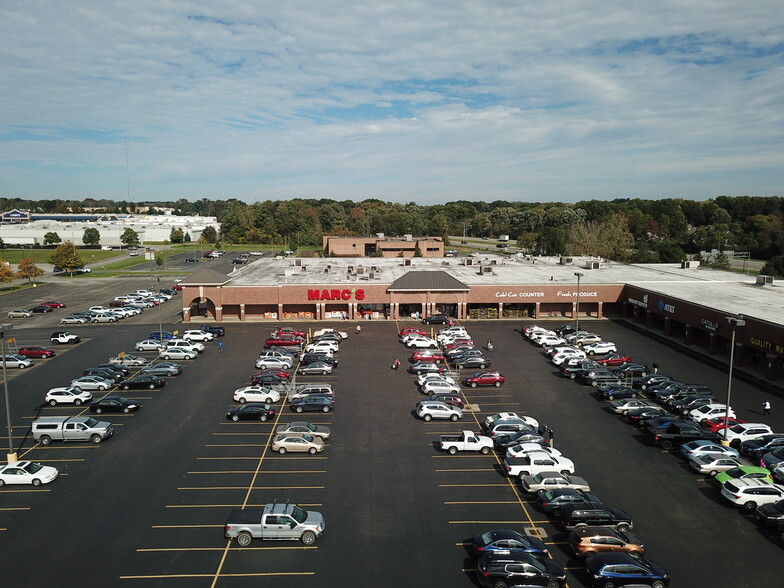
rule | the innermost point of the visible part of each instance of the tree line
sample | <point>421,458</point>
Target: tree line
<point>628,229</point>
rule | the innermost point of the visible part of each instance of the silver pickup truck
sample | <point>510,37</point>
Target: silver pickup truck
<point>275,522</point>
<point>76,428</point>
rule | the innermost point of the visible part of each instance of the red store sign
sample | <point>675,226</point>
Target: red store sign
<point>358,294</point>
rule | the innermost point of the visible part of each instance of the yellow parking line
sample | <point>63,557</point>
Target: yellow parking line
<point>251,488</point>
<point>237,445</point>
<point>16,508</point>
<point>463,455</point>
<point>480,502</point>
<point>467,470</point>
<point>265,471</point>
<point>469,485</point>
<point>163,549</point>
<point>59,460</point>
<point>188,527</point>
<point>23,491</point>
<point>496,522</point>
<point>262,433</point>
<point>66,446</point>
<point>232,505</point>
<point>215,576</point>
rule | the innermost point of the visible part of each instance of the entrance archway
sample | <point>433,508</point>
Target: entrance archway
<point>204,308</point>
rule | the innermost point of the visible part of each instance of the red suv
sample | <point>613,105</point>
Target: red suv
<point>488,378</point>
<point>427,355</point>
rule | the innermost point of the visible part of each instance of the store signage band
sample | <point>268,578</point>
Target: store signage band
<point>346,294</point>
<point>559,294</point>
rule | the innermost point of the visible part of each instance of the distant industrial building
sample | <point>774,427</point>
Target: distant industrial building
<point>383,246</point>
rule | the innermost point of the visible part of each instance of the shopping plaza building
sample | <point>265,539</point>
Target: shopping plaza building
<point>698,306</point>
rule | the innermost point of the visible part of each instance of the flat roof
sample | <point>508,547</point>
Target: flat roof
<point>725,291</point>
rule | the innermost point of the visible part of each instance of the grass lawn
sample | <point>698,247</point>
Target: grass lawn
<point>14,256</point>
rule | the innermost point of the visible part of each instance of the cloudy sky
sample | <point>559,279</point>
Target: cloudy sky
<point>412,100</point>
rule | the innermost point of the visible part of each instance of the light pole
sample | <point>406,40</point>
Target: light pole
<point>160,320</point>
<point>11,456</point>
<point>577,310</point>
<point>735,323</point>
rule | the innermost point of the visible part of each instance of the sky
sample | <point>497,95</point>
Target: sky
<point>407,101</point>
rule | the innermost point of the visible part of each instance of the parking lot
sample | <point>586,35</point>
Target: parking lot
<point>147,507</point>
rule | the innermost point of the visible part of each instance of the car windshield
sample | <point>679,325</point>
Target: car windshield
<point>122,399</point>
<point>91,422</point>
<point>737,429</point>
<point>298,514</point>
<point>32,467</point>
<point>308,438</point>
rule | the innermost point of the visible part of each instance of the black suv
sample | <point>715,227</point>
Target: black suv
<point>756,448</point>
<point>314,357</point>
<point>496,569</point>
<point>594,514</point>
<point>437,319</point>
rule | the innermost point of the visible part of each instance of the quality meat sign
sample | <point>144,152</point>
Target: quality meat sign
<point>346,294</point>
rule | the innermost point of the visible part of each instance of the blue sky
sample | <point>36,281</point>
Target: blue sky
<point>406,101</point>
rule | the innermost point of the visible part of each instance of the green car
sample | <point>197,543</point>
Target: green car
<point>743,472</point>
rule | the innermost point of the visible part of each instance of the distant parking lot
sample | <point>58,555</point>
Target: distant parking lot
<point>148,505</point>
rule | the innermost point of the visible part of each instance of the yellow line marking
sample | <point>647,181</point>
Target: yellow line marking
<point>188,527</point>
<point>237,445</point>
<point>66,446</point>
<point>216,576</point>
<point>229,505</point>
<point>511,522</point>
<point>241,434</point>
<point>153,549</point>
<point>468,470</point>
<point>16,508</point>
<point>265,472</point>
<point>23,491</point>
<point>480,502</point>
<point>251,488</point>
<point>469,485</point>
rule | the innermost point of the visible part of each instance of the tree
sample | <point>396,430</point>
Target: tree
<point>208,235</point>
<point>91,236</point>
<point>159,259</point>
<point>28,269</point>
<point>130,237</point>
<point>775,267</point>
<point>66,258</point>
<point>6,273</point>
<point>176,236</point>
<point>187,237</point>
<point>52,238</point>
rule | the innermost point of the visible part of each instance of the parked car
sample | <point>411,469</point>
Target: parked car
<point>736,434</point>
<point>594,514</point>
<point>163,368</point>
<point>317,367</point>
<point>128,359</point>
<point>322,346</point>
<point>256,394</point>
<point>613,391</point>
<point>438,410</point>
<point>486,378</point>
<point>427,377</point>
<point>198,335</point>
<point>744,471</point>
<point>73,320</point>
<point>41,309</point>
<point>600,348</point>
<point>771,514</point>
<point>178,353</point>
<point>27,472</point>
<point>313,402</point>
<point>36,351</point>
<point>613,359</point>
<point>552,499</point>
<point>424,367</point>
<point>326,330</point>
<point>420,342</point>
<point>297,443</point>
<point>114,404</point>
<point>507,540</point>
<point>706,447</point>
<point>268,380</point>
<point>586,541</point>
<point>469,363</point>
<point>496,569</point>
<point>161,335</point>
<point>492,420</point>
<point>717,423</point>
<point>67,395</point>
<point>451,399</point>
<point>756,448</point>
<point>304,427</point>
<point>640,416</point>
<point>624,406</point>
<point>283,363</point>
<point>553,480</point>
<point>749,493</point>
<point>254,411</point>
<point>107,373</point>
<point>618,568</point>
<point>20,313</point>
<point>437,319</point>
<point>712,464</point>
<point>149,381</point>
<point>59,337</point>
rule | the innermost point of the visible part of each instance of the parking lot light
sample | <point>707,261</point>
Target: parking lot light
<point>11,455</point>
<point>577,310</point>
<point>735,323</point>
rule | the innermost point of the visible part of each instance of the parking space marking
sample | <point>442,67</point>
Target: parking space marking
<point>530,524</point>
<point>243,434</point>
<point>237,445</point>
<point>251,487</point>
<point>467,470</point>
<point>480,502</point>
<point>256,574</point>
<point>24,490</point>
<point>314,504</point>
<point>265,472</point>
<point>15,508</point>
<point>470,485</point>
<point>163,549</point>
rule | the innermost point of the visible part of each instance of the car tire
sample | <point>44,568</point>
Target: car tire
<point>325,409</point>
<point>235,417</point>
<point>610,397</point>
<point>126,410</point>
<point>657,584</point>
<point>607,585</point>
<point>244,538</point>
<point>484,450</point>
<point>454,418</point>
<point>170,374</point>
<point>622,527</point>
<point>98,410</point>
<point>312,451</point>
<point>151,386</point>
<point>749,506</point>
<point>298,409</point>
<point>45,440</point>
<point>426,417</point>
<point>553,584</point>
<point>308,538</point>
<point>572,376</point>
<point>591,352</point>
<point>125,387</point>
<point>53,403</point>
<point>165,357</point>
<point>22,366</point>
<point>473,384</point>
<point>497,384</point>
<point>713,473</point>
<point>95,439</point>
<point>666,445</point>
<point>102,388</point>
<point>452,450</point>
<point>500,584</point>
<point>282,450</point>
<point>324,372</point>
<point>263,417</point>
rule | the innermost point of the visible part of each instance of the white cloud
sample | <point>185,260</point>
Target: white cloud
<point>426,101</point>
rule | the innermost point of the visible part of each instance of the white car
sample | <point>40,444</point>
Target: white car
<point>737,434</point>
<point>749,493</point>
<point>438,410</point>
<point>626,404</point>
<point>562,357</point>
<point>525,448</point>
<point>421,380</point>
<point>256,253</point>
<point>284,363</point>
<point>600,348</point>
<point>178,353</point>
<point>508,416</point>
<point>185,344</point>
<point>92,383</point>
<point>539,335</point>
<point>16,361</point>
<point>550,341</point>
<point>587,339</point>
<point>124,311</point>
<point>128,359</point>
<point>148,345</point>
<point>712,464</point>
<point>134,310</point>
<point>73,320</point>
<point>708,411</point>
<point>27,472</point>
<point>322,347</point>
<point>141,303</point>
<point>256,394</point>
<point>143,293</point>
<point>67,395</point>
<point>442,387</point>
<point>320,332</point>
<point>421,343</point>
<point>197,335</point>
<point>100,309</point>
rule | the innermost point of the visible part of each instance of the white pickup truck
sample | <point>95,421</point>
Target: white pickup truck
<point>535,463</point>
<point>466,441</point>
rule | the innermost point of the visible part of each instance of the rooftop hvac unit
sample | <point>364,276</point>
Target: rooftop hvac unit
<point>763,280</point>
<point>687,264</point>
<point>350,269</point>
<point>566,260</point>
<point>488,269</point>
<point>373,268</point>
<point>379,235</point>
<point>304,268</point>
<point>360,270</point>
<point>408,237</point>
<point>406,262</point>
<point>493,262</point>
<point>372,275</point>
<point>468,261</point>
<point>592,265</point>
<point>297,262</point>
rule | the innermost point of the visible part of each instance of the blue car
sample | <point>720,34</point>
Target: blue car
<point>619,569</point>
<point>217,331</point>
<point>160,335</point>
<point>505,540</point>
<point>613,392</point>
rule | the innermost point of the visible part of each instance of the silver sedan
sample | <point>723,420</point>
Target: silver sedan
<point>92,383</point>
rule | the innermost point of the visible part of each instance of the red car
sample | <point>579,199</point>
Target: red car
<point>426,355</point>
<point>53,304</point>
<point>614,359</point>
<point>282,341</point>
<point>717,423</point>
<point>488,378</point>
<point>457,343</point>
<point>287,332</point>
<point>177,287</point>
<point>36,351</point>
<point>273,371</point>
<point>411,331</point>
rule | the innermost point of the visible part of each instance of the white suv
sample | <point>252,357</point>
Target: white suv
<point>749,493</point>
<point>197,335</point>
<point>741,432</point>
<point>185,344</point>
<point>438,410</point>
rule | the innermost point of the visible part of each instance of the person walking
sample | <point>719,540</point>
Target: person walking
<point>655,367</point>
<point>359,329</point>
<point>220,345</point>
<point>766,407</point>
<point>550,435</point>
